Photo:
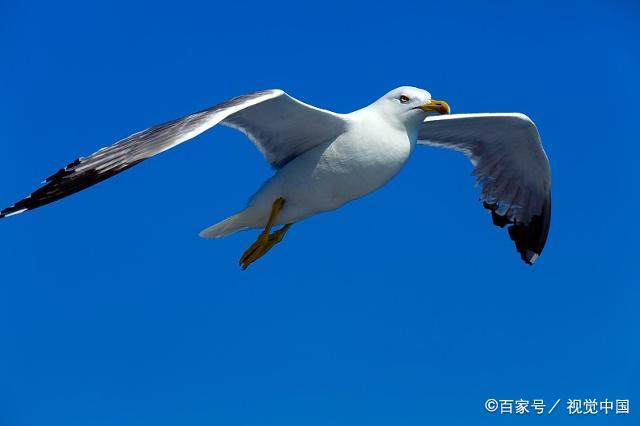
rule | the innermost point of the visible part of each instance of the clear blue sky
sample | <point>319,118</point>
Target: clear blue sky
<point>404,308</point>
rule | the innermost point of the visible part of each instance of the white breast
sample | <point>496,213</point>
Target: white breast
<point>360,161</point>
<point>364,159</point>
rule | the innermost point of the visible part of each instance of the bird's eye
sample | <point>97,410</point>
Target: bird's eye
<point>404,99</point>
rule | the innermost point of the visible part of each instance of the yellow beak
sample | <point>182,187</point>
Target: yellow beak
<point>441,107</point>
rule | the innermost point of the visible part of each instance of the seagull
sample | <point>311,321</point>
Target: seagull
<point>323,160</point>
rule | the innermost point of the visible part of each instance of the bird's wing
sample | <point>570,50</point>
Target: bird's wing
<point>284,127</point>
<point>511,166</point>
<point>280,126</point>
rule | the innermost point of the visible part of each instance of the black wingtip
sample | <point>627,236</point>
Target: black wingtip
<point>63,183</point>
<point>529,238</point>
<point>7,212</point>
<point>12,211</point>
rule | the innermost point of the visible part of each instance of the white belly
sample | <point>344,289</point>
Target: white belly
<point>330,175</point>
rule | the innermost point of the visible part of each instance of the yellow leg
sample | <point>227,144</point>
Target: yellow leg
<point>266,240</point>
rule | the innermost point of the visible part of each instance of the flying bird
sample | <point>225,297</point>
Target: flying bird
<point>323,160</point>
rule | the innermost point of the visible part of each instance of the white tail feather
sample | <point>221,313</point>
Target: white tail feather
<point>226,227</point>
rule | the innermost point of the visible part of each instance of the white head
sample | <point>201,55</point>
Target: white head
<point>408,106</point>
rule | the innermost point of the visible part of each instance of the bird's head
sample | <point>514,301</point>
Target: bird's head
<point>409,105</point>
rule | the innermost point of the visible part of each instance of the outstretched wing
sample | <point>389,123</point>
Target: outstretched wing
<point>280,126</point>
<point>511,166</point>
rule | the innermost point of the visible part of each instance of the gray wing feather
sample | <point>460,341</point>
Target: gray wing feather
<point>284,127</point>
<point>269,117</point>
<point>510,165</point>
